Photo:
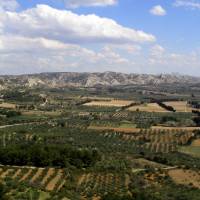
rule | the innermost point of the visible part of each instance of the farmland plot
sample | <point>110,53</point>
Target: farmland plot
<point>8,105</point>
<point>180,106</point>
<point>159,140</point>
<point>150,107</point>
<point>102,183</point>
<point>49,179</point>
<point>185,177</point>
<point>196,143</point>
<point>112,103</point>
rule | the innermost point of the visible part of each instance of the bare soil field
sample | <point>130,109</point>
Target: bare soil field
<point>185,177</point>
<point>150,107</point>
<point>112,103</point>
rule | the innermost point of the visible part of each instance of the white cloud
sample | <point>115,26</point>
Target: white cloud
<point>187,4</point>
<point>66,26</point>
<point>87,3</point>
<point>8,5</point>
<point>46,39</point>
<point>158,10</point>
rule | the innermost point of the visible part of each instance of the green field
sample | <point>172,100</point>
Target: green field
<point>191,150</point>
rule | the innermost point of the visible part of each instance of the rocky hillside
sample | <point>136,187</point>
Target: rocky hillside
<point>65,79</point>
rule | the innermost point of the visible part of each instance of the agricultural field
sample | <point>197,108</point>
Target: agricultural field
<point>94,144</point>
<point>102,183</point>
<point>149,107</point>
<point>180,106</point>
<point>7,105</point>
<point>112,103</point>
<point>50,179</point>
<point>185,177</point>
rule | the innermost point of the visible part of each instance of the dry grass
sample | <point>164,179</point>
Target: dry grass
<point>112,103</point>
<point>175,128</point>
<point>180,106</point>
<point>41,113</point>
<point>150,107</point>
<point>95,98</point>
<point>8,105</point>
<point>185,177</point>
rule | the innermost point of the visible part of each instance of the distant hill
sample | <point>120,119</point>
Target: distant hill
<point>66,79</point>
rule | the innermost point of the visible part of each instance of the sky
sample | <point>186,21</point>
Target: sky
<point>129,36</point>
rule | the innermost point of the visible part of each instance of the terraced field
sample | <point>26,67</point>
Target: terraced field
<point>49,179</point>
<point>102,183</point>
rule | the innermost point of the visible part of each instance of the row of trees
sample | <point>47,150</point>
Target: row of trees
<point>166,107</point>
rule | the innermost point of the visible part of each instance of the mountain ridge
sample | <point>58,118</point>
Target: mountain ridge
<point>86,79</point>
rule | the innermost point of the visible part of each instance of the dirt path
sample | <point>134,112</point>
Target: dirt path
<point>20,124</point>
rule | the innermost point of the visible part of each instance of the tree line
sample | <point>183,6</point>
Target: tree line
<point>48,155</point>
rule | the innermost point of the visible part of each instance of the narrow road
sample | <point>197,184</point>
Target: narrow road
<point>12,125</point>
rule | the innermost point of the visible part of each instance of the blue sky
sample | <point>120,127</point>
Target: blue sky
<point>131,36</point>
